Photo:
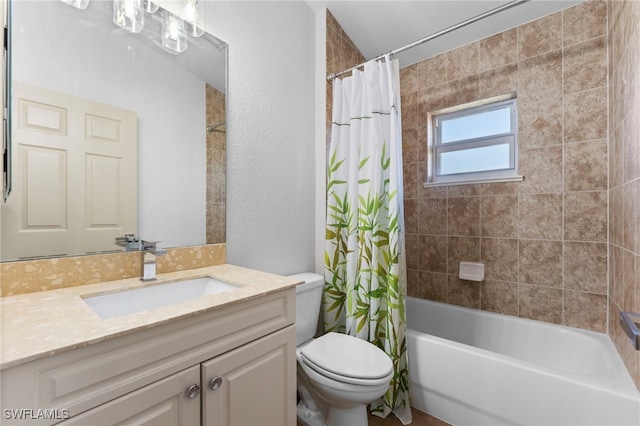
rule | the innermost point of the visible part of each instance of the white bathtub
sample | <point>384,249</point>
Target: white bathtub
<point>470,367</point>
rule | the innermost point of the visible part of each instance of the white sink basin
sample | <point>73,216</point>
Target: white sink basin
<point>141,299</point>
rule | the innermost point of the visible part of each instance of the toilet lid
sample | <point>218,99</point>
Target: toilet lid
<point>347,357</point>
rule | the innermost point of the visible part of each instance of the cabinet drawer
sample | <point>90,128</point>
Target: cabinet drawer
<point>84,378</point>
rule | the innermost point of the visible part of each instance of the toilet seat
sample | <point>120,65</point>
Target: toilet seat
<point>347,359</point>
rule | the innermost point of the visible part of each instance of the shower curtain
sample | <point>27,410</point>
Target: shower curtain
<point>365,276</point>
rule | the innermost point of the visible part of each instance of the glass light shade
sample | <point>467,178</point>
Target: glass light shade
<point>150,6</point>
<point>191,15</point>
<point>129,14</point>
<point>80,4</point>
<point>173,35</point>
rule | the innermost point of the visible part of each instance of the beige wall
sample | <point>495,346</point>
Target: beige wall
<point>624,169</point>
<point>543,240</point>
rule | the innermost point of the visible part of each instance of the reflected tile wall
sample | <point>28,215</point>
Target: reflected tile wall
<point>544,240</point>
<point>624,169</point>
<point>216,167</point>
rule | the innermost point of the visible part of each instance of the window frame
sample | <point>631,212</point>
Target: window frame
<point>436,148</point>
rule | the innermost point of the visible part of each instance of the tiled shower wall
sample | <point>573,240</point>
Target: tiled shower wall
<point>624,167</point>
<point>544,240</point>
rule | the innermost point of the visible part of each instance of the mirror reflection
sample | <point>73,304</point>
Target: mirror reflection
<point>112,132</point>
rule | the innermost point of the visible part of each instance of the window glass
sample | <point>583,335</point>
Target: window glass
<point>493,157</point>
<point>477,125</point>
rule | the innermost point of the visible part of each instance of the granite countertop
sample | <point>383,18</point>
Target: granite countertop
<point>41,324</point>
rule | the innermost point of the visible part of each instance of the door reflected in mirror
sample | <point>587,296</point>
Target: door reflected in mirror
<point>111,134</point>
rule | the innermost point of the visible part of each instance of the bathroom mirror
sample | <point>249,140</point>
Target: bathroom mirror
<point>156,116</point>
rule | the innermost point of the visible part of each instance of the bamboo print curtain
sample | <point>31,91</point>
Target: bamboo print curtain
<point>364,266</point>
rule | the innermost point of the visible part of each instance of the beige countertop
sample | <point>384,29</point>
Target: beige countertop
<point>37,325</point>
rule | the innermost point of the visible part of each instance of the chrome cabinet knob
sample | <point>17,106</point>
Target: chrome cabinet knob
<point>215,383</point>
<point>193,391</point>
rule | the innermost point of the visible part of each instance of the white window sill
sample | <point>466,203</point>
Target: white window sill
<point>472,182</point>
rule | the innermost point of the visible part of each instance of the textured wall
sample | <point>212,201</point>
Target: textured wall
<point>270,133</point>
<point>624,169</point>
<point>543,240</point>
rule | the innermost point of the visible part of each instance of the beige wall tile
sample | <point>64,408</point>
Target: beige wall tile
<point>540,122</point>
<point>500,297</point>
<point>411,215</point>
<point>412,244</point>
<point>630,216</point>
<point>499,216</point>
<point>584,21</point>
<point>585,166</point>
<point>498,81</point>
<point>499,50</point>
<point>463,293</point>
<point>616,274</point>
<point>410,180</point>
<point>585,216</point>
<point>540,77</point>
<point>616,216</point>
<point>630,146</point>
<point>585,115</point>
<point>585,267</point>
<point>575,314</point>
<point>463,90</point>
<point>432,71</point>
<point>463,61</point>
<point>540,36</point>
<point>542,170</point>
<point>500,257</point>
<point>540,262</point>
<point>431,285</point>
<point>585,65</point>
<point>541,303</point>
<point>463,216</point>
<point>629,280</point>
<point>616,158</point>
<point>433,216</point>
<point>540,216</point>
<point>433,253</point>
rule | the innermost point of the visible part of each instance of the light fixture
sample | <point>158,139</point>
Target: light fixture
<point>129,14</point>
<point>191,15</point>
<point>80,4</point>
<point>176,26</point>
<point>173,35</point>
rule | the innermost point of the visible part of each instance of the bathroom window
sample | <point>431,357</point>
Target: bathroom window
<point>474,142</point>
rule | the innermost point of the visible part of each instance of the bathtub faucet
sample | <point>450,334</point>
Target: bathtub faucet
<point>150,251</point>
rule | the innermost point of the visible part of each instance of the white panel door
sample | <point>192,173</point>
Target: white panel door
<point>75,175</point>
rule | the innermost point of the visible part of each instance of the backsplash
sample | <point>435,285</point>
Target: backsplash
<point>49,274</point>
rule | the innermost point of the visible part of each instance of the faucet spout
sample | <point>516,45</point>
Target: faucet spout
<point>150,252</point>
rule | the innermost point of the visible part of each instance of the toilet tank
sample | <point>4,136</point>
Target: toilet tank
<point>308,301</point>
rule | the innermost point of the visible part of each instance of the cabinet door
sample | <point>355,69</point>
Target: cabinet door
<point>164,402</point>
<point>255,384</point>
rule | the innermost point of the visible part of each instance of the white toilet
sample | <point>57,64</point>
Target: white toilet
<point>338,375</point>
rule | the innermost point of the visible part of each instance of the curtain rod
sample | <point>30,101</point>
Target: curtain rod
<point>498,9</point>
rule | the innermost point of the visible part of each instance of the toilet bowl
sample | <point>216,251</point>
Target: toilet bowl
<point>338,375</point>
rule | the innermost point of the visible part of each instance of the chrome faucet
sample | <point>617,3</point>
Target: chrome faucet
<point>149,253</point>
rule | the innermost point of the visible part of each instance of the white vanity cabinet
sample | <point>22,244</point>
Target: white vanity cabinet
<point>232,365</point>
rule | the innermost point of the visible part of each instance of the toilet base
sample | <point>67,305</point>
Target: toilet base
<point>355,416</point>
